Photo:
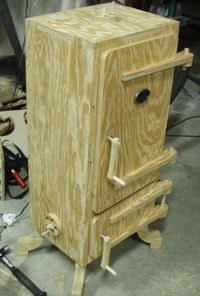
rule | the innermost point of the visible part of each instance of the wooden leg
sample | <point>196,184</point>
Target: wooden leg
<point>79,279</point>
<point>153,237</point>
<point>28,243</point>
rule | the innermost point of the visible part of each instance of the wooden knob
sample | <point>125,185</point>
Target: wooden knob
<point>52,225</point>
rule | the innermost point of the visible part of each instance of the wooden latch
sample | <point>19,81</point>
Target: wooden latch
<point>106,254</point>
<point>115,146</point>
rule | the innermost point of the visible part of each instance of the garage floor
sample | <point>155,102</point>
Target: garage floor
<point>174,270</point>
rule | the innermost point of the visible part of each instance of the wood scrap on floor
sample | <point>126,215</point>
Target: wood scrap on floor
<point>8,284</point>
<point>11,98</point>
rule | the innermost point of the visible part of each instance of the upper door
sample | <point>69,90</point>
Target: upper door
<point>132,108</point>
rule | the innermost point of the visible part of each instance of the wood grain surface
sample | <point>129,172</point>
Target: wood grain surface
<point>139,127</point>
<point>76,100</point>
<point>58,116</point>
<point>101,22</point>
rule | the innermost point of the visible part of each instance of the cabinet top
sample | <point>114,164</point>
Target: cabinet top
<point>101,22</point>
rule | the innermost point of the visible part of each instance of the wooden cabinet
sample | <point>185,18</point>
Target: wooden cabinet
<point>99,81</point>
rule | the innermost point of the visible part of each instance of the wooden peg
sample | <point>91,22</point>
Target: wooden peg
<point>109,269</point>
<point>106,255</point>
<point>45,232</point>
<point>189,64</point>
<point>119,181</point>
<point>163,200</point>
<point>163,203</point>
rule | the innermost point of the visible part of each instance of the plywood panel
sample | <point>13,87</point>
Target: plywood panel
<point>140,127</point>
<point>102,22</point>
<point>58,118</point>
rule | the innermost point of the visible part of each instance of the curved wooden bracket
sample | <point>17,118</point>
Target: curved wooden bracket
<point>152,237</point>
<point>28,243</point>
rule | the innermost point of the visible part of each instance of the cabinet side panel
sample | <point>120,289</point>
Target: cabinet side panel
<point>58,119</point>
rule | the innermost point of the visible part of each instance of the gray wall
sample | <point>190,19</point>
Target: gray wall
<point>35,7</point>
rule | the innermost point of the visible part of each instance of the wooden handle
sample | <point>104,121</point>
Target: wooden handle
<point>162,188</point>
<point>183,58</point>
<point>168,156</point>
<point>106,254</point>
<point>115,146</point>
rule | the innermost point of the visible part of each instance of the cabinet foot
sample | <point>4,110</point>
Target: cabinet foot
<point>79,279</point>
<point>153,237</point>
<point>28,243</point>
